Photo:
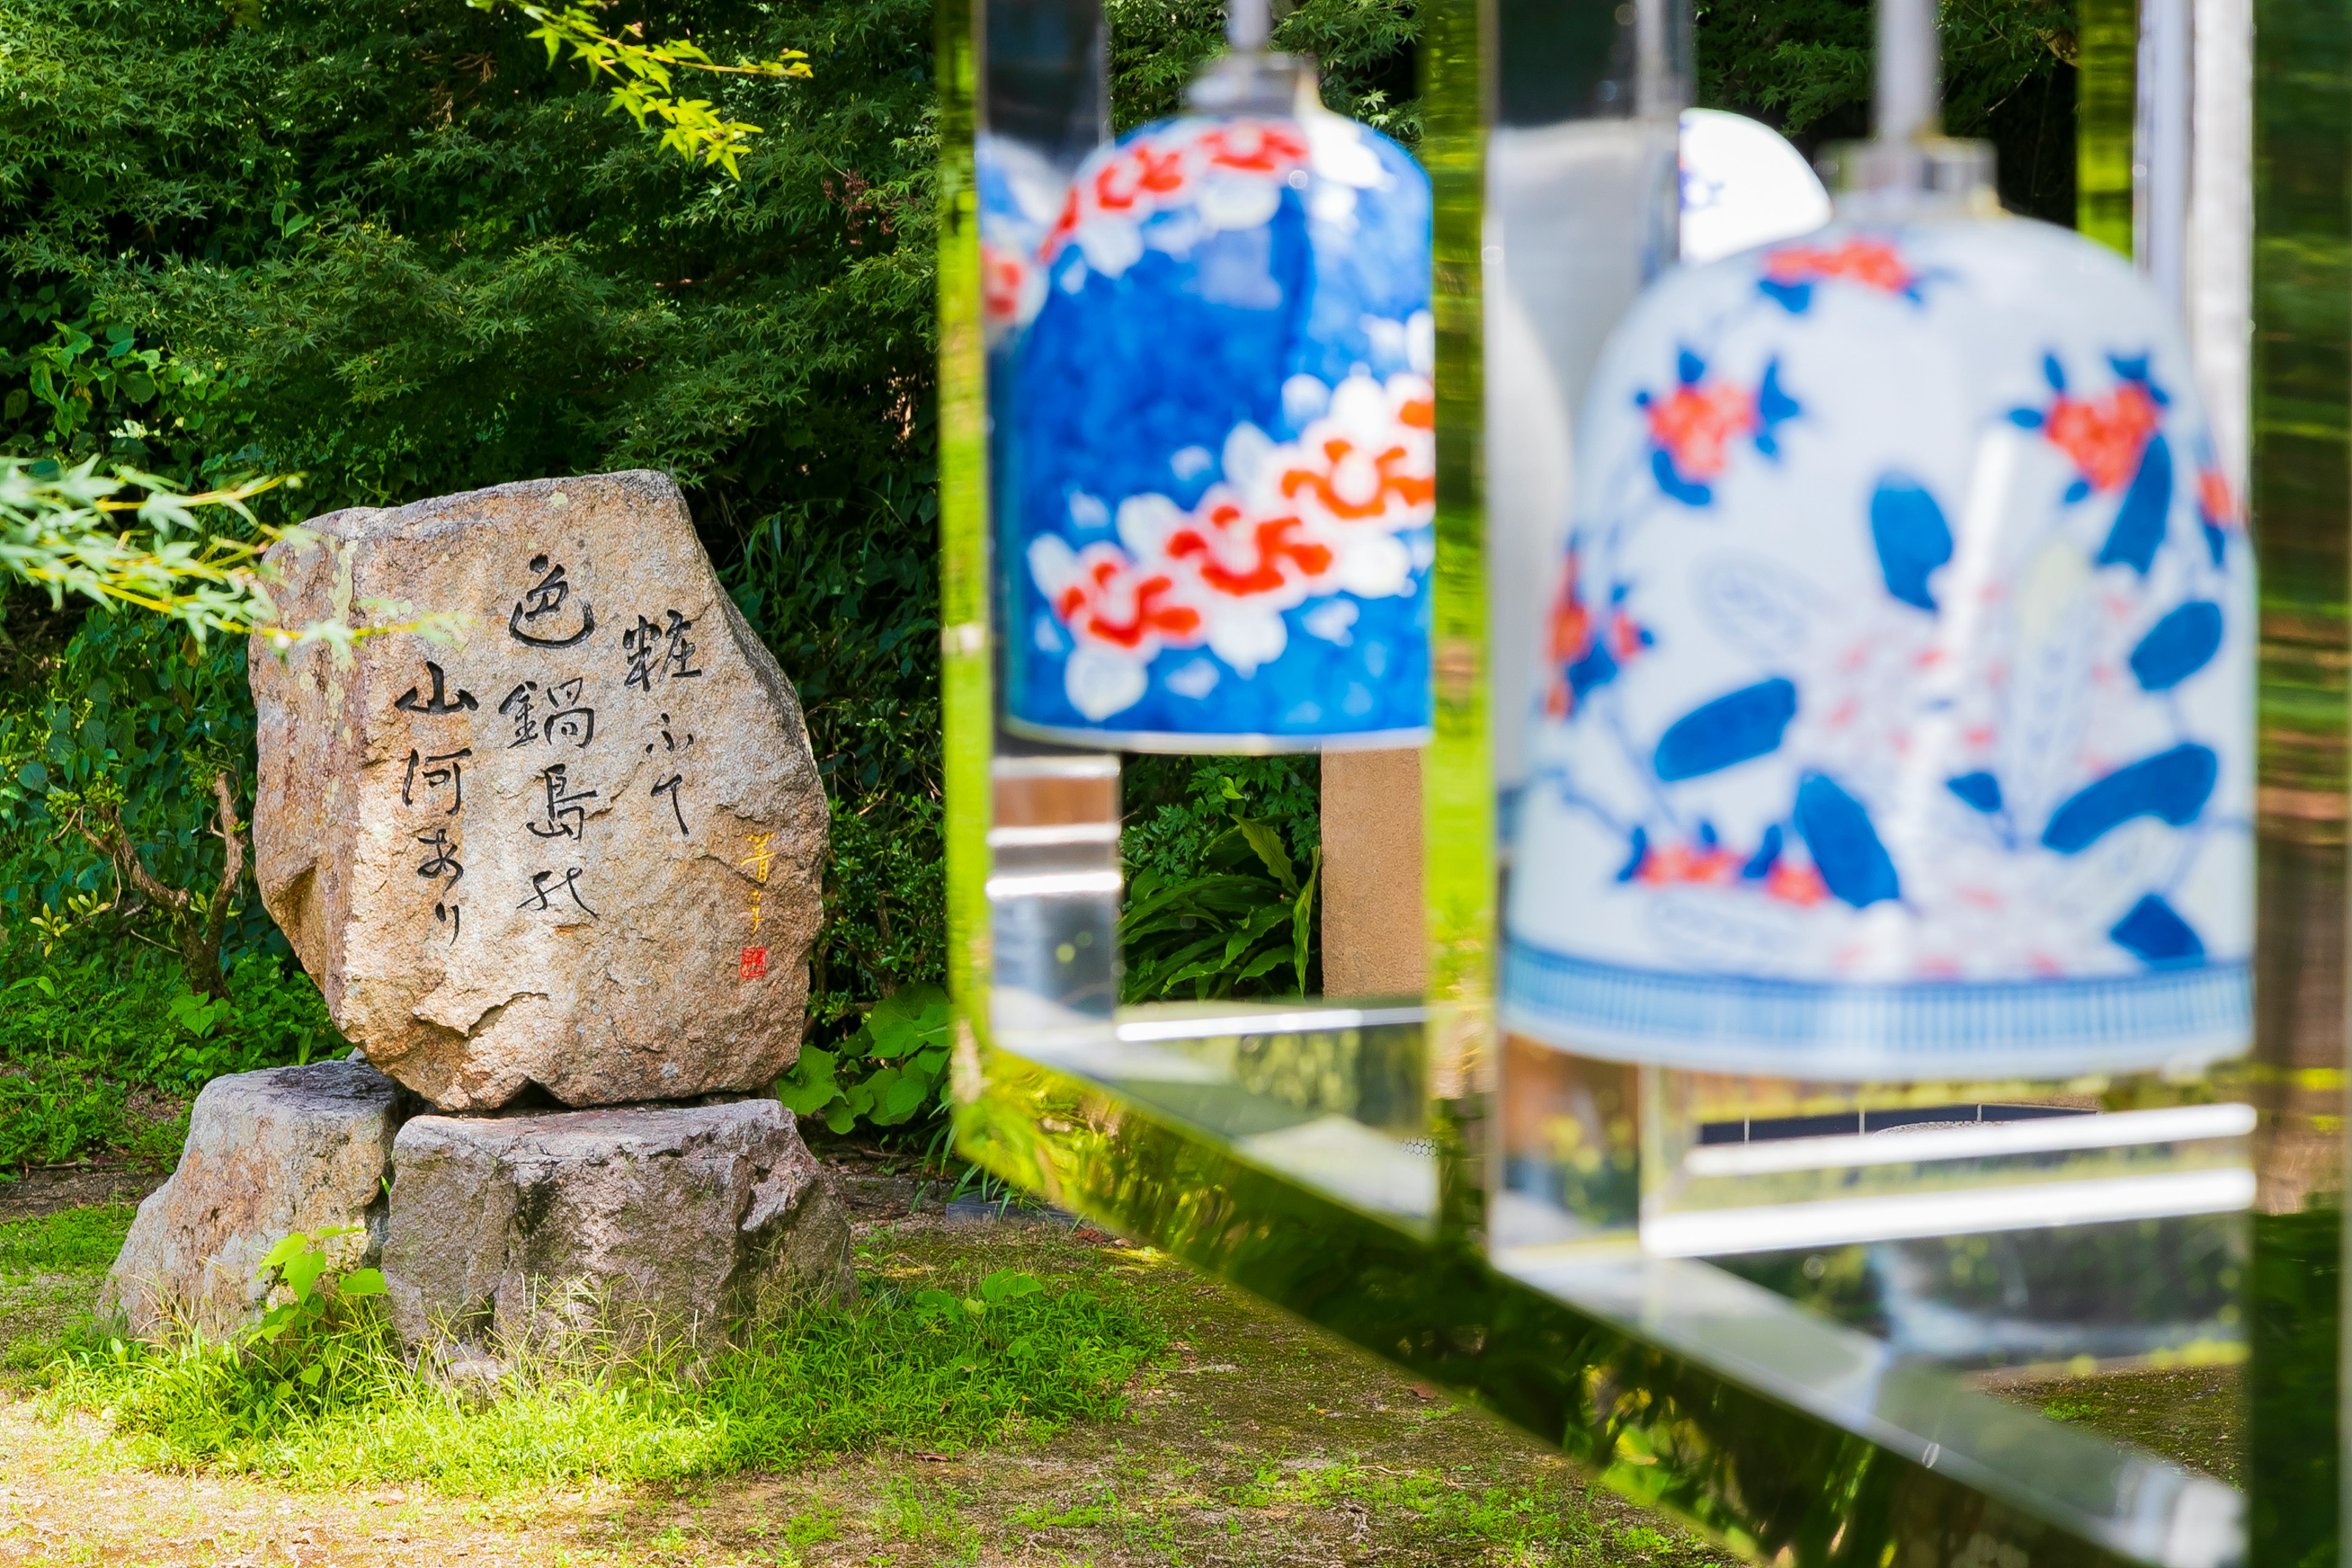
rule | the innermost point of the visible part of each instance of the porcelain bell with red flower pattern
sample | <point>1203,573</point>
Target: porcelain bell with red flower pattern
<point>1215,525</point>
<point>1894,717</point>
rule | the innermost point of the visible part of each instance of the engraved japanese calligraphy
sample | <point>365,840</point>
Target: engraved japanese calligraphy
<point>552,850</point>
<point>546,597</point>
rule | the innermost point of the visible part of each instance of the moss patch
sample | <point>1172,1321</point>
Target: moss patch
<point>2193,1415</point>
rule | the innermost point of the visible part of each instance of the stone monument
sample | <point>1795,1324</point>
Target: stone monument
<point>579,846</point>
<point>551,849</point>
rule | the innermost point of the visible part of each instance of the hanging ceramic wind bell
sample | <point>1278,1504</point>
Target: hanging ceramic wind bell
<point>1894,715</point>
<point>1223,484</point>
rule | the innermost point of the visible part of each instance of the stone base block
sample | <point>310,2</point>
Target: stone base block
<point>268,1152</point>
<point>667,1219</point>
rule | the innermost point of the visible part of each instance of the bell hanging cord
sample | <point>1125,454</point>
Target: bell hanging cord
<point>1910,90</point>
<point>1248,24</point>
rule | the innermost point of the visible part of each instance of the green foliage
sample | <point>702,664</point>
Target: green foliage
<point>1006,1353</point>
<point>101,1044</point>
<point>1364,48</point>
<point>1804,67</point>
<point>890,1070</point>
<point>74,1241</point>
<point>137,703</point>
<point>72,531</point>
<point>645,76</point>
<point>386,246</point>
<point>1223,855</point>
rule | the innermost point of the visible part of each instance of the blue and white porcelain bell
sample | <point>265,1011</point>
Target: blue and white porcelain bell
<point>1895,714</point>
<point>1219,530</point>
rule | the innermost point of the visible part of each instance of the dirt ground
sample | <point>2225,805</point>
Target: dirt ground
<point>39,1192</point>
<point>1263,1442</point>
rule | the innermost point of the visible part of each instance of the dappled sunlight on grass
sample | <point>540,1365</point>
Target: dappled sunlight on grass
<point>1206,1429</point>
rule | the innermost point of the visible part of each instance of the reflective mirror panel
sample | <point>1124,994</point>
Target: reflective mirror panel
<point>2301,494</point>
<point>1997,1321</point>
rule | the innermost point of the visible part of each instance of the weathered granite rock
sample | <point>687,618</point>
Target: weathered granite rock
<point>577,847</point>
<point>268,1152</point>
<point>671,1215</point>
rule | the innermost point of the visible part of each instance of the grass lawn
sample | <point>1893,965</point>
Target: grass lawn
<point>1246,1439</point>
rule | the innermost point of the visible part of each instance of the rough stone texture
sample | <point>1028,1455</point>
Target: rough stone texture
<point>491,873</point>
<point>681,1215</point>
<point>268,1152</point>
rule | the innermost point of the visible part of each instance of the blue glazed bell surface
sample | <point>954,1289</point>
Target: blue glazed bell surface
<point>1222,477</point>
<point>1895,714</point>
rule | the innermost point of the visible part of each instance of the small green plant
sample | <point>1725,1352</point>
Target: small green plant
<point>813,1527</point>
<point>944,1309</point>
<point>311,1286</point>
<point>900,1052</point>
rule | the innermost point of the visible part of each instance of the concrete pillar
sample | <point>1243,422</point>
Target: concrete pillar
<point>1374,940</point>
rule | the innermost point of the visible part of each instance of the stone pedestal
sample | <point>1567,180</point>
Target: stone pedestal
<point>653,1218</point>
<point>268,1152</point>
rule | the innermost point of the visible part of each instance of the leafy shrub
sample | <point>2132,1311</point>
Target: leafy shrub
<point>1223,858</point>
<point>134,703</point>
<point>101,1044</point>
<point>892,1069</point>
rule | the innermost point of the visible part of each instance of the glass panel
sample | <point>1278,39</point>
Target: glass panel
<point>2106,105</point>
<point>1890,1323</point>
<point>2301,290</point>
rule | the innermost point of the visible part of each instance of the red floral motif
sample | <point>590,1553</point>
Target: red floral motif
<point>1695,425</point>
<point>1799,885</point>
<point>2105,435</point>
<point>1113,601</point>
<point>1872,263</point>
<point>1143,171</point>
<point>1712,866</point>
<point>2216,501</point>
<point>1064,226</point>
<point>1355,483</point>
<point>1002,274</point>
<point>1704,864</point>
<point>1573,632</point>
<point>1571,638</point>
<point>1244,556</point>
<point>1137,178</point>
<point>1255,146</point>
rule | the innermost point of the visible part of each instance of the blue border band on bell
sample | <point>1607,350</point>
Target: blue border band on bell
<point>1894,713</point>
<point>1822,1030</point>
<point>1219,528</point>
